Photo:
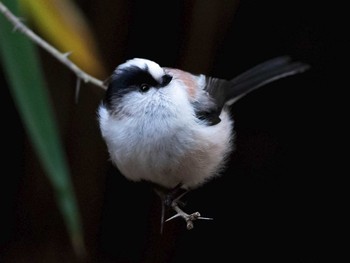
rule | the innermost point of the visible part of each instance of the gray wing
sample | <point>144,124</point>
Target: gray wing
<point>226,92</point>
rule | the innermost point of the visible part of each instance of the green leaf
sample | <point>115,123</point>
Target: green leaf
<point>26,83</point>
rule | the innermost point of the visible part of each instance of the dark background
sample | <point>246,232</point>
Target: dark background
<point>276,202</point>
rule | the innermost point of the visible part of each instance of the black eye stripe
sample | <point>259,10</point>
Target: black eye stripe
<point>144,87</point>
<point>128,80</point>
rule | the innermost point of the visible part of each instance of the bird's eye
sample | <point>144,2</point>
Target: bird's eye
<point>144,87</point>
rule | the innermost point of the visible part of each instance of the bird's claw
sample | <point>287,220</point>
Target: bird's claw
<point>189,218</point>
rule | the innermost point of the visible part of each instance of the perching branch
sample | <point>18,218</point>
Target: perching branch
<point>189,218</point>
<point>62,57</point>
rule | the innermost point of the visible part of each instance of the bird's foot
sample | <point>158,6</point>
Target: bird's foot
<point>172,200</point>
<point>189,218</point>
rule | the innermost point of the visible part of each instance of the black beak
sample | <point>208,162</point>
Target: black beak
<point>166,79</point>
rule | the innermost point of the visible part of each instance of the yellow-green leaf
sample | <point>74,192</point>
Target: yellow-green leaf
<point>26,83</point>
<point>63,25</point>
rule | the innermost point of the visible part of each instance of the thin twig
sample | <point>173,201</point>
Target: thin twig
<point>62,57</point>
<point>189,218</point>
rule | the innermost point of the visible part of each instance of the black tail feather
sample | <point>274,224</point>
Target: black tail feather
<point>263,74</point>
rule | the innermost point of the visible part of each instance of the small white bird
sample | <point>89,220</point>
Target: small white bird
<point>173,128</point>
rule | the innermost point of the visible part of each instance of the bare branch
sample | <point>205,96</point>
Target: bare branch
<point>77,90</point>
<point>188,218</point>
<point>62,57</point>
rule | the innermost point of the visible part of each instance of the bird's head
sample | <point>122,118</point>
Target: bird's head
<point>135,79</point>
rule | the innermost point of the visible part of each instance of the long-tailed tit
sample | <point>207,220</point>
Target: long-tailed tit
<point>173,128</point>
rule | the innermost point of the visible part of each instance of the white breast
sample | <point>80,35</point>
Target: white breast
<point>160,140</point>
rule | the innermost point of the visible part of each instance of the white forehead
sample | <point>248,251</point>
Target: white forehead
<point>153,68</point>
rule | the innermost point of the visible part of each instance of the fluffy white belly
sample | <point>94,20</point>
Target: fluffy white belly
<point>167,153</point>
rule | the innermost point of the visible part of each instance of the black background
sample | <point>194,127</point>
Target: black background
<point>278,200</point>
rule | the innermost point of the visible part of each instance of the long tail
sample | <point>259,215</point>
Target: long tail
<point>262,74</point>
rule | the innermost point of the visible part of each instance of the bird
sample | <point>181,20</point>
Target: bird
<point>173,129</point>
